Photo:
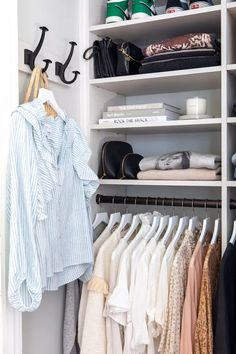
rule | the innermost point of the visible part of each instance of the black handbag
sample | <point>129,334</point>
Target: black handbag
<point>129,167</point>
<point>129,58</point>
<point>104,53</point>
<point>112,155</point>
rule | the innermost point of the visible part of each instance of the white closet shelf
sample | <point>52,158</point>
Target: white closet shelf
<point>162,26</point>
<point>231,120</point>
<point>231,6</point>
<point>231,184</point>
<point>231,68</point>
<point>134,182</point>
<point>181,126</point>
<point>168,81</point>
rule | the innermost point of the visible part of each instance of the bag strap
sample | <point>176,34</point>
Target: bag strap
<point>93,48</point>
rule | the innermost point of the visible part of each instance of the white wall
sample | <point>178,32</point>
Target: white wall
<point>42,330</point>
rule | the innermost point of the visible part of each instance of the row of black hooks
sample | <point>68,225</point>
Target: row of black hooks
<point>30,58</point>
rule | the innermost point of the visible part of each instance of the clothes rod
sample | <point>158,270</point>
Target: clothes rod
<point>175,202</point>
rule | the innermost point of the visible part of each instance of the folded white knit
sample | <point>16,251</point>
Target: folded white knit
<point>190,174</point>
<point>180,160</point>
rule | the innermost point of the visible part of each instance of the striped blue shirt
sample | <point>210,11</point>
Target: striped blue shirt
<point>50,186</point>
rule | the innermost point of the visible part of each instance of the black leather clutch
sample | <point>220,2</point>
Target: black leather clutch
<point>129,58</point>
<point>129,167</point>
<point>112,155</point>
<point>104,53</point>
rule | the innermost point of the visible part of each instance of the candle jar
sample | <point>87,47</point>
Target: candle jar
<point>196,106</point>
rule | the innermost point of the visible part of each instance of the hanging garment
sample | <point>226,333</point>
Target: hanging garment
<point>72,307</point>
<point>94,333</point>
<point>170,337</point>
<point>50,186</point>
<point>153,284</point>
<point>140,335</point>
<point>132,316</point>
<point>72,302</point>
<point>204,330</point>
<point>225,312</point>
<point>191,302</point>
<point>163,286</point>
<point>121,297</point>
<point>84,296</point>
<point>114,340</point>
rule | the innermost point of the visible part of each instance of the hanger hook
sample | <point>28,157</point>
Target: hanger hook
<point>61,68</point>
<point>125,203</point>
<point>183,200</point>
<point>193,207</point>
<point>164,205</point>
<point>156,203</point>
<point>135,203</point>
<point>206,208</point>
<point>218,209</point>
<point>173,209</point>
<point>99,202</point>
<point>30,56</point>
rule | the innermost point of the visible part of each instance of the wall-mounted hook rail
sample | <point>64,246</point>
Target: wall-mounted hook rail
<point>30,56</point>
<point>61,68</point>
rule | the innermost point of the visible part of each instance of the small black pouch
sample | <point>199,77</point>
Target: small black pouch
<point>129,167</point>
<point>112,155</point>
<point>129,58</point>
<point>104,54</point>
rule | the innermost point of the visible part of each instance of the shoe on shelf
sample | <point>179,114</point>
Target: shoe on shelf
<point>173,6</point>
<point>197,4</point>
<point>143,8</point>
<point>117,10</point>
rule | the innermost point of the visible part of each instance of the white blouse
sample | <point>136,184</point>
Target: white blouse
<point>94,333</point>
<point>84,295</point>
<point>140,337</point>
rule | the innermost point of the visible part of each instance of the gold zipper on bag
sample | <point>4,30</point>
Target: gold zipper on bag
<point>103,160</point>
<point>122,165</point>
<point>128,56</point>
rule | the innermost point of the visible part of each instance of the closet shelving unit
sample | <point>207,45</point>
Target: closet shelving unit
<point>218,84</point>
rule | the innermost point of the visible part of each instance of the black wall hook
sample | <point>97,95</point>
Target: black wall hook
<point>30,56</point>
<point>60,68</point>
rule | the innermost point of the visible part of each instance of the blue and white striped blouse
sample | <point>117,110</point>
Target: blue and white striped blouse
<point>50,186</point>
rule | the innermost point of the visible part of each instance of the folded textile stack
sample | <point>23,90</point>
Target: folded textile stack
<point>183,165</point>
<point>194,50</point>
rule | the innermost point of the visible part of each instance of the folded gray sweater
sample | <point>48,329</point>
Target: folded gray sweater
<point>180,160</point>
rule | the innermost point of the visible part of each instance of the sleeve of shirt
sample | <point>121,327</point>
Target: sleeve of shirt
<point>119,299</point>
<point>24,288</point>
<point>81,155</point>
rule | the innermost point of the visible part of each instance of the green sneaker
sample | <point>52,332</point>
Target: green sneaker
<point>117,10</point>
<point>143,8</point>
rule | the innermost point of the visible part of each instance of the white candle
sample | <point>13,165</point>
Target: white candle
<point>196,106</point>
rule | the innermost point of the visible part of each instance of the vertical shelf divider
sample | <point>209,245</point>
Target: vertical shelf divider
<point>224,88</point>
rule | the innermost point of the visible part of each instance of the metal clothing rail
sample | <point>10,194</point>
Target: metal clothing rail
<point>175,202</point>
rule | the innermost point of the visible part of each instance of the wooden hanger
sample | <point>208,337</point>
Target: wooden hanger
<point>38,88</point>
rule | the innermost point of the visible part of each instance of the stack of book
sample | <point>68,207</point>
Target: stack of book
<point>141,113</point>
